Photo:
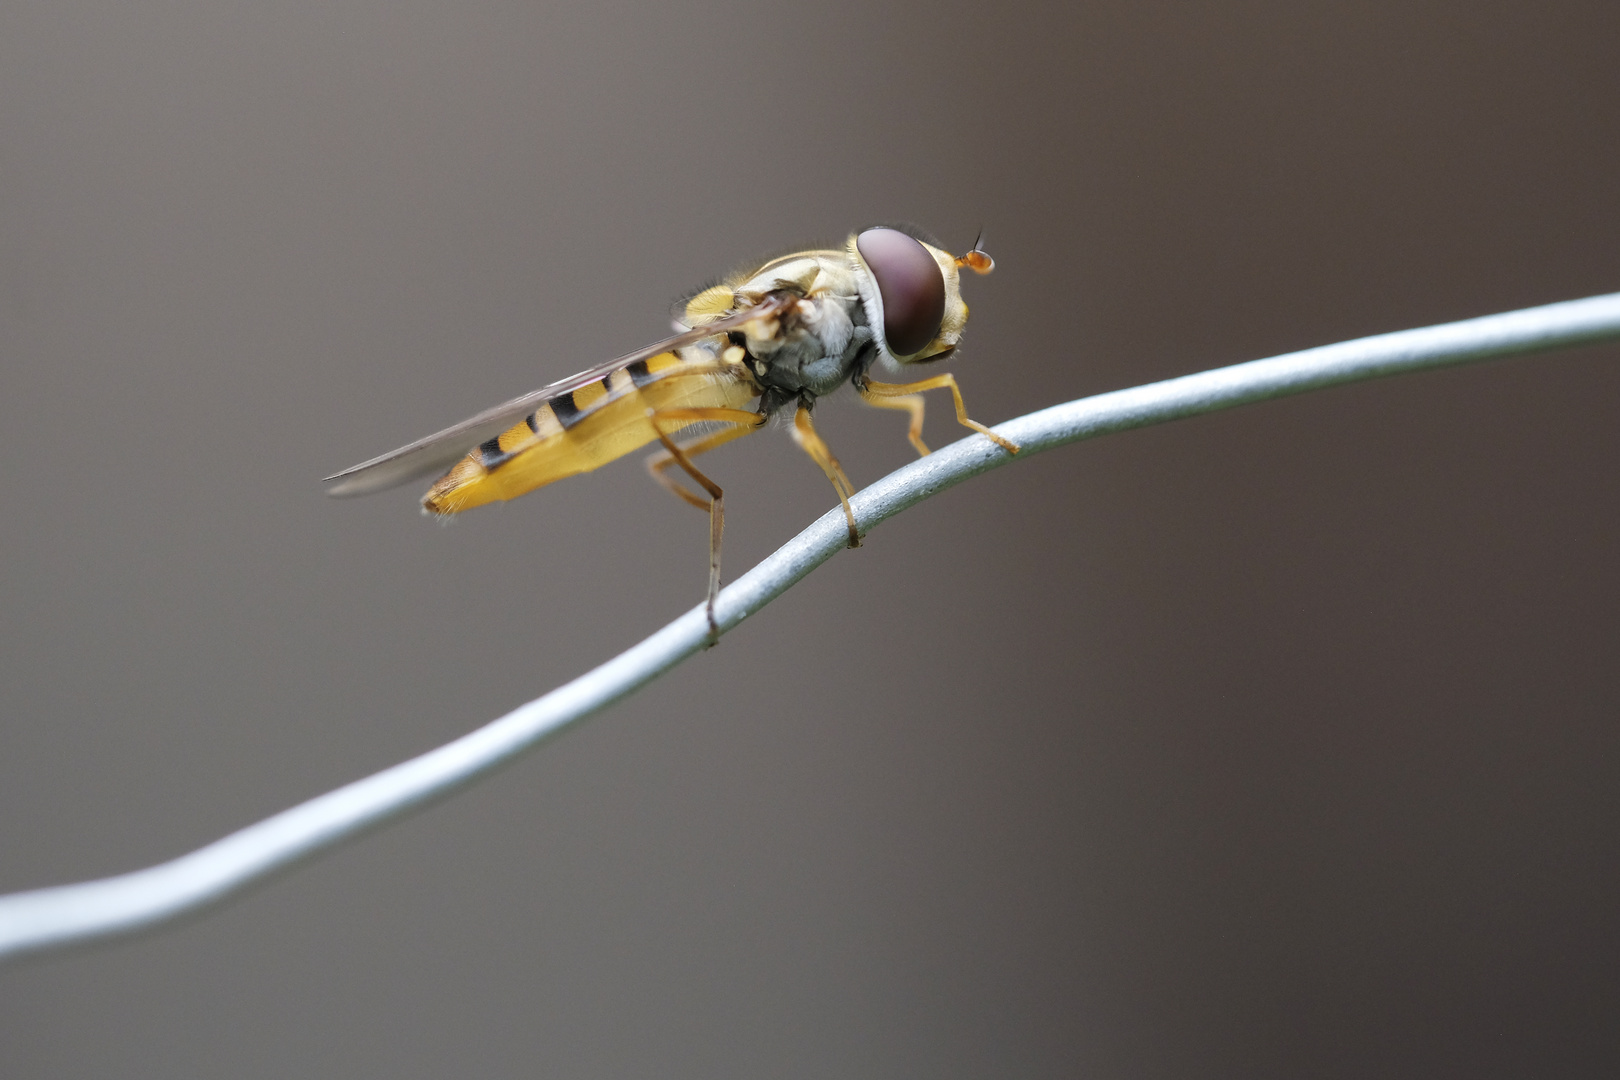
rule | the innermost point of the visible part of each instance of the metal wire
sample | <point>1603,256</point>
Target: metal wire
<point>65,915</point>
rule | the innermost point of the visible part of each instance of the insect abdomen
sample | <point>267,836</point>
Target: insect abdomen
<point>587,428</point>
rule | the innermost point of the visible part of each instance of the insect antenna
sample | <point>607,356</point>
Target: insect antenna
<point>977,259</point>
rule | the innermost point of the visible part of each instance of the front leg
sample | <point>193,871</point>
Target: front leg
<point>909,403</point>
<point>889,396</point>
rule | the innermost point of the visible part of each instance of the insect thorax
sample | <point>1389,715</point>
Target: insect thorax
<point>822,341</point>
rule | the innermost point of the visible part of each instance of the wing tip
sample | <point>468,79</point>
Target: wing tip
<point>340,490</point>
<point>359,480</point>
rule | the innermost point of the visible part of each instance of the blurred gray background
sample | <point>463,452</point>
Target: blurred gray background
<point>1279,742</point>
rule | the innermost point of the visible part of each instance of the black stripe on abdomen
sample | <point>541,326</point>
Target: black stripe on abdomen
<point>567,412</point>
<point>490,453</point>
<point>639,374</point>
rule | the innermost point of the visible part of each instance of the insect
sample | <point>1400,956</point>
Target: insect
<point>782,334</point>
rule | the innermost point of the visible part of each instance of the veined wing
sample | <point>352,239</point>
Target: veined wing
<point>443,449</point>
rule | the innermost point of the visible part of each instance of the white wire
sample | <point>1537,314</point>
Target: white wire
<point>67,914</point>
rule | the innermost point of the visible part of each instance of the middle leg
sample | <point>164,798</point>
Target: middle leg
<point>804,433</point>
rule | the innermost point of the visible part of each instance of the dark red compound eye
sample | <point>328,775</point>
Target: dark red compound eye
<point>912,287</point>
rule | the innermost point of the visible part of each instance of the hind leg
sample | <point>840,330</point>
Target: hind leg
<point>681,454</point>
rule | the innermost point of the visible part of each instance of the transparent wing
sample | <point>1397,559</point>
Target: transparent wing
<point>439,451</point>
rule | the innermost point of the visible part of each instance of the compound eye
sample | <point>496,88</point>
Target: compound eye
<point>912,287</point>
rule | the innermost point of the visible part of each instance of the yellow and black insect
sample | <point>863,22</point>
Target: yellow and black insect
<point>788,332</point>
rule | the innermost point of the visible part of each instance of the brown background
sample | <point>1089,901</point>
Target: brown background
<point>1281,742</point>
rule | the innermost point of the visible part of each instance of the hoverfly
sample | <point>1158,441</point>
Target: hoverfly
<point>785,333</point>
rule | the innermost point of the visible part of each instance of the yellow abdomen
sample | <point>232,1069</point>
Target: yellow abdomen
<point>588,427</point>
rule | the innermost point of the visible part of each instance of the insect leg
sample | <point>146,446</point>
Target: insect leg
<point>660,462</point>
<point>911,403</point>
<point>870,390</point>
<point>804,433</point>
<point>673,453</point>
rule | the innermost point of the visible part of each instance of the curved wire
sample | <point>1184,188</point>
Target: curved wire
<point>64,915</point>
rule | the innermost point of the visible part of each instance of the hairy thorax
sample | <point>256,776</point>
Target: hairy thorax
<point>817,344</point>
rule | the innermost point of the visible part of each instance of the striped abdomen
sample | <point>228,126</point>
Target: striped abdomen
<point>590,426</point>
